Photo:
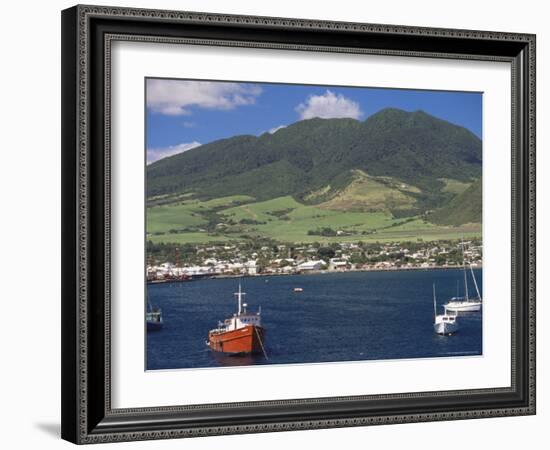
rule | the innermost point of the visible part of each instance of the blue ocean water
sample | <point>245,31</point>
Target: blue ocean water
<point>349,316</point>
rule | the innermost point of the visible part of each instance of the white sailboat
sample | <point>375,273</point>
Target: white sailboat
<point>465,304</point>
<point>444,324</point>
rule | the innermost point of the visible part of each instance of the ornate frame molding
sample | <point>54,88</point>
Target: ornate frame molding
<point>87,422</point>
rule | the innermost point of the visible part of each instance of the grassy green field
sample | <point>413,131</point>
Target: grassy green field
<point>188,238</point>
<point>161,219</point>
<point>286,220</point>
<point>186,213</point>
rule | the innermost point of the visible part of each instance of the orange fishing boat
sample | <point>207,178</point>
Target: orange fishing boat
<point>241,334</point>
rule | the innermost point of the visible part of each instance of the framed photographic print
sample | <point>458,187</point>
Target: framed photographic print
<point>281,224</point>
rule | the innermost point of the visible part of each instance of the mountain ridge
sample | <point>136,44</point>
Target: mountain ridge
<point>311,154</point>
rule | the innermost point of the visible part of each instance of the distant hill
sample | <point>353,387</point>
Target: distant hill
<point>404,156</point>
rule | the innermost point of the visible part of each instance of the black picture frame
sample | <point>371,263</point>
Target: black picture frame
<point>87,416</point>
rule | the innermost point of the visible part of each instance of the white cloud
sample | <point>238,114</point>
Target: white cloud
<point>275,129</point>
<point>176,97</point>
<point>154,154</point>
<point>328,106</point>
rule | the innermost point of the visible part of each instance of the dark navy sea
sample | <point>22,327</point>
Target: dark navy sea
<point>349,316</point>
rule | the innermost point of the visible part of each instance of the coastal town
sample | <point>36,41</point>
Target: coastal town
<point>189,262</point>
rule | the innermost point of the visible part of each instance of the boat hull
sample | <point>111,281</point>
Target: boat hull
<point>246,340</point>
<point>445,328</point>
<point>154,326</point>
<point>463,307</point>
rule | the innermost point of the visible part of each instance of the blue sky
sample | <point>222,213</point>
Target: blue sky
<point>184,114</point>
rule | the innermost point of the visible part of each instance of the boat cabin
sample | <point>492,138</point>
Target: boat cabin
<point>242,320</point>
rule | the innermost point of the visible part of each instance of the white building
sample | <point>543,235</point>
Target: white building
<point>251,268</point>
<point>197,270</point>
<point>312,265</point>
<point>337,264</point>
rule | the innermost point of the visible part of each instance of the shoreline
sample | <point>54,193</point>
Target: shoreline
<point>309,272</point>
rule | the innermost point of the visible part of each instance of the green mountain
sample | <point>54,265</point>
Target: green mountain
<point>464,208</point>
<point>317,161</point>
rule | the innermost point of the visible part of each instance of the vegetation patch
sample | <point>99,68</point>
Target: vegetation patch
<point>462,209</point>
<point>372,194</point>
<point>455,186</point>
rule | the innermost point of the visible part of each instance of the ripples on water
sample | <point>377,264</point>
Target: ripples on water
<point>338,317</point>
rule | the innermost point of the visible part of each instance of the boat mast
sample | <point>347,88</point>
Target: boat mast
<point>465,279</point>
<point>239,298</point>
<point>475,282</point>
<point>435,304</point>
